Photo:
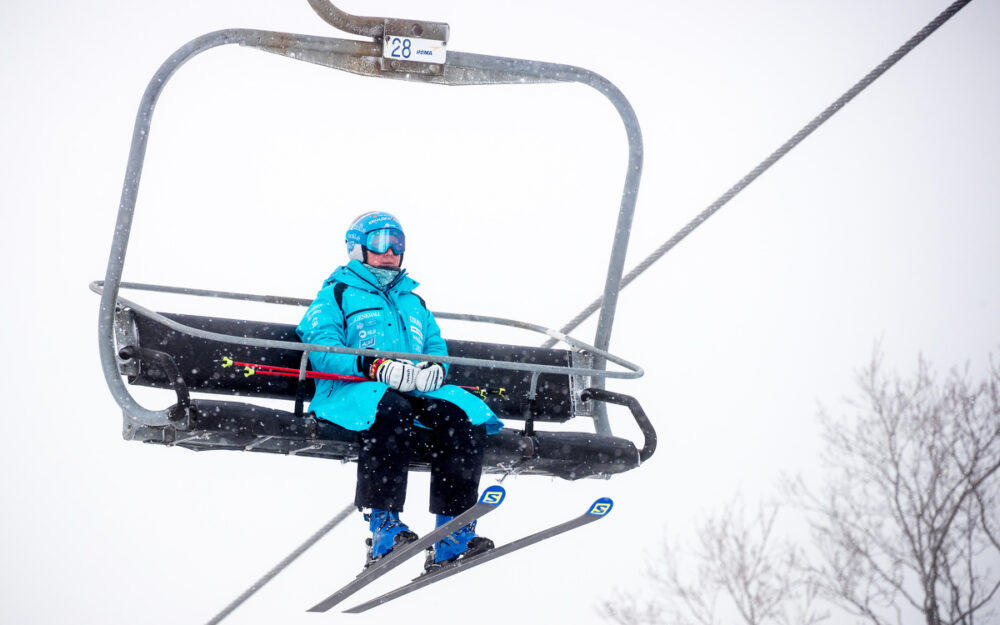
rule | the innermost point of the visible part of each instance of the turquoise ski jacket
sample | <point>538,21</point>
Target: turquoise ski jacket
<point>367,317</point>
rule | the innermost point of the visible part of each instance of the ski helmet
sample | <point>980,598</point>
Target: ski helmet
<point>375,231</point>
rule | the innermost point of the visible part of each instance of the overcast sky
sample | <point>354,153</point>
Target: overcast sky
<point>882,227</point>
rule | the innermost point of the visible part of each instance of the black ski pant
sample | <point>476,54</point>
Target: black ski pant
<point>455,449</point>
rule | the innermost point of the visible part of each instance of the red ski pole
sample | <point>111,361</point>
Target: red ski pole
<point>250,368</point>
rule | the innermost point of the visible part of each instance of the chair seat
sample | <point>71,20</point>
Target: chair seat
<point>241,426</point>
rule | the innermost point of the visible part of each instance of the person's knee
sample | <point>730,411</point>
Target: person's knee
<point>394,413</point>
<point>476,435</point>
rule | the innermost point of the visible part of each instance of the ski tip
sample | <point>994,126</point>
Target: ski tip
<point>601,507</point>
<point>493,495</point>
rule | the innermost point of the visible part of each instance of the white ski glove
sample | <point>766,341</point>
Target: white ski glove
<point>400,375</point>
<point>430,376</point>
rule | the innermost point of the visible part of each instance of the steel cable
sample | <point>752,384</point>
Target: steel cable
<point>320,533</point>
<point>771,160</point>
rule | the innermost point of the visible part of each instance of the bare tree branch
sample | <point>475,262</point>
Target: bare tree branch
<point>905,526</point>
<point>908,511</point>
<point>760,579</point>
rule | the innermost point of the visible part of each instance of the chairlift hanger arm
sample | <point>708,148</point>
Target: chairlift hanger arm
<point>341,20</point>
<point>369,26</point>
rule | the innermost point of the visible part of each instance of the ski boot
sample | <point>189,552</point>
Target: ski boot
<point>463,543</point>
<point>387,532</point>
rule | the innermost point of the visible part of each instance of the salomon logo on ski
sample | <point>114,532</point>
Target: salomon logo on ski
<point>597,511</point>
<point>489,501</point>
<point>492,496</point>
<point>601,507</point>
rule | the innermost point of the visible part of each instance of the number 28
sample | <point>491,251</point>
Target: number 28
<point>401,49</point>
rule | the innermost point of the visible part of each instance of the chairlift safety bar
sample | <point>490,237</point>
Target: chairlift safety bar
<point>634,371</point>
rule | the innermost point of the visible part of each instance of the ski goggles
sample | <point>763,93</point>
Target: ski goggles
<point>379,241</point>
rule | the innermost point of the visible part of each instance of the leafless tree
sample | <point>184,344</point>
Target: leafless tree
<point>908,520</point>
<point>905,526</point>
<point>743,571</point>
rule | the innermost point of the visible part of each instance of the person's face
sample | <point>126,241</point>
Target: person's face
<point>389,260</point>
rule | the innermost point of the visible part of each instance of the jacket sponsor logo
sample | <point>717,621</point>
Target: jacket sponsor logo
<point>417,333</point>
<point>366,328</point>
<point>418,344</point>
<point>417,329</point>
<point>314,316</point>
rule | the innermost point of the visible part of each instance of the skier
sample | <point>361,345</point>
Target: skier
<point>369,304</point>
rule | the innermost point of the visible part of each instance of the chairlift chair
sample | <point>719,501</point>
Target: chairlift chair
<point>183,352</point>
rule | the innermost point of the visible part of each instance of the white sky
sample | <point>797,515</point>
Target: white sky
<point>881,226</point>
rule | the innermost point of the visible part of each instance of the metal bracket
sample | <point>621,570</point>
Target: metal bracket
<point>309,447</point>
<point>528,411</point>
<point>126,333</point>
<point>422,41</point>
<point>180,413</point>
<point>257,442</point>
<point>373,26</point>
<point>514,469</point>
<point>581,359</point>
<point>398,38</point>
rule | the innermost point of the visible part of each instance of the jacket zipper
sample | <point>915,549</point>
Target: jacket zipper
<point>400,336</point>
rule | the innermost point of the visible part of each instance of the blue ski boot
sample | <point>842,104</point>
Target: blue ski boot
<point>387,532</point>
<point>463,543</point>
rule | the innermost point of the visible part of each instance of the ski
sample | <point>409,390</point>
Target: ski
<point>598,510</point>
<point>489,501</point>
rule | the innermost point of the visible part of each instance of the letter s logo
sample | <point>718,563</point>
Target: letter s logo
<point>601,507</point>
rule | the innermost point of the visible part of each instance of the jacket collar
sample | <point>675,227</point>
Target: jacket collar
<point>356,274</point>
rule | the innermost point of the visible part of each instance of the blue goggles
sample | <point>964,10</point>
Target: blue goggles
<point>379,241</point>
